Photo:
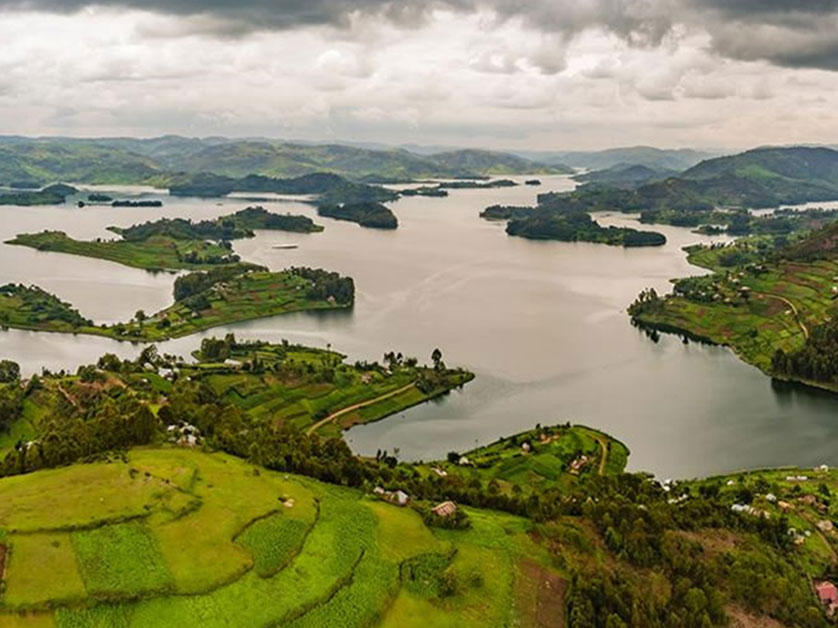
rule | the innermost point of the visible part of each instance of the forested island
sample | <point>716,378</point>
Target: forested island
<point>543,223</point>
<point>771,299</point>
<point>202,300</point>
<point>173,243</point>
<point>50,195</point>
<point>372,215</point>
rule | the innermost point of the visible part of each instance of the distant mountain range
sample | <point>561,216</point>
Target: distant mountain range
<point>125,160</point>
<point>655,158</point>
<point>763,177</point>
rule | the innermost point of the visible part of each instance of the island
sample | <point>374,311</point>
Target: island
<point>173,243</point>
<point>203,300</point>
<point>568,226</point>
<point>50,195</point>
<point>372,215</point>
<point>771,300</point>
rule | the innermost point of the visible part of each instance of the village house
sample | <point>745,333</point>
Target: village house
<point>825,525</point>
<point>577,464</point>
<point>828,595</point>
<point>445,509</point>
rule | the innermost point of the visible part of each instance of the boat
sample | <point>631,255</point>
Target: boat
<point>286,246</point>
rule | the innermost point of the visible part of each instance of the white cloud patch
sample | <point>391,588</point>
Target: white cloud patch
<point>483,78</point>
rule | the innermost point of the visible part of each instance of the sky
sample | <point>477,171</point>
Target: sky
<point>511,74</point>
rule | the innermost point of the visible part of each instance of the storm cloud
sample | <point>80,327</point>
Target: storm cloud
<point>802,33</point>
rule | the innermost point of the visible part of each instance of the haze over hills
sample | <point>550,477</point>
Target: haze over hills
<point>657,158</point>
<point>127,160</point>
<point>763,177</point>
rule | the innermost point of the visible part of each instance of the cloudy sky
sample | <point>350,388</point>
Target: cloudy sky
<point>537,74</point>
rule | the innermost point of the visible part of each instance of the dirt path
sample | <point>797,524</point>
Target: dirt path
<point>357,406</point>
<point>793,309</point>
<point>604,444</point>
<point>833,557</point>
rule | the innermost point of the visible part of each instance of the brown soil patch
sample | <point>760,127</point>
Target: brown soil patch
<point>3,552</point>
<point>541,595</point>
<point>714,541</point>
<point>739,618</point>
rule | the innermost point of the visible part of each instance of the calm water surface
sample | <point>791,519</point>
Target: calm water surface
<point>543,325</point>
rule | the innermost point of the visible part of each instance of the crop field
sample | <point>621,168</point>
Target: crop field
<point>541,458</point>
<point>754,311</point>
<point>182,538</point>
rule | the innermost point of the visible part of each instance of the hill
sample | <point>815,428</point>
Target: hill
<point>126,160</point>
<point>625,175</point>
<point>760,178</point>
<point>656,158</point>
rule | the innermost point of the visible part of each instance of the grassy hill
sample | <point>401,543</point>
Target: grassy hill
<point>127,160</point>
<point>764,177</point>
<point>656,158</point>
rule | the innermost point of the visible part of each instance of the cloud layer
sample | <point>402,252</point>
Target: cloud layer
<point>494,73</point>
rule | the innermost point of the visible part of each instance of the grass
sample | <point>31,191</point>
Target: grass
<point>540,458</point>
<point>156,253</point>
<point>34,561</point>
<point>120,561</point>
<point>334,557</point>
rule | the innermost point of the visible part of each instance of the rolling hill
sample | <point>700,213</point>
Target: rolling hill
<point>127,160</point>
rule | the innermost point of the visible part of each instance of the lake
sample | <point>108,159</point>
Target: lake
<point>542,324</point>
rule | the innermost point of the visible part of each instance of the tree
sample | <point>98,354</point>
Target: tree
<point>9,372</point>
<point>436,358</point>
<point>140,317</point>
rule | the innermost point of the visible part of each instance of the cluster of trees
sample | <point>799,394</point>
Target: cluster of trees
<point>39,305</point>
<point>195,283</point>
<point>576,226</point>
<point>816,360</point>
<point>326,284</point>
<point>184,229</point>
<point>11,394</point>
<point>260,218</point>
<point>367,214</point>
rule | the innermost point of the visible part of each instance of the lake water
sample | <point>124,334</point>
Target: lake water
<point>542,324</point>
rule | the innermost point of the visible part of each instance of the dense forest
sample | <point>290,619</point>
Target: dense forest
<point>373,215</point>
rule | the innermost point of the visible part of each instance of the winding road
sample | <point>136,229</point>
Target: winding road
<point>357,406</point>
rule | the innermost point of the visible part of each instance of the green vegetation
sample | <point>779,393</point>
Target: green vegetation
<point>625,175</point>
<point>764,177</point>
<point>156,253</point>
<point>373,215</point>
<point>51,195</point>
<point>771,301</point>
<point>326,187</point>
<point>202,300</point>
<point>574,227</point>
<point>547,457</point>
<point>125,160</point>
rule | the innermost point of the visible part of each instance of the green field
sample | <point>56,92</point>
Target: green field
<point>155,253</point>
<point>258,548</point>
<point>752,304</point>
<point>540,459</point>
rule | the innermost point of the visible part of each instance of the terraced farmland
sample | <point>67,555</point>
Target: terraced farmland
<point>181,538</point>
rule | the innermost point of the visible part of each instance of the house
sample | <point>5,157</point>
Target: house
<point>400,498</point>
<point>526,448</point>
<point>378,490</point>
<point>234,364</point>
<point>440,472</point>
<point>784,505</point>
<point>771,497</point>
<point>445,509</point>
<point>828,596</point>
<point>824,526</point>
<point>577,464</point>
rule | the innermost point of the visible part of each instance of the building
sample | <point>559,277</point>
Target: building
<point>828,595</point>
<point>445,509</point>
<point>400,497</point>
<point>825,525</point>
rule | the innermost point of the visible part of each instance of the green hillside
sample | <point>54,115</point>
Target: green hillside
<point>125,160</point>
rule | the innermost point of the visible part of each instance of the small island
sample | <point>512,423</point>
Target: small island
<point>202,300</point>
<point>173,243</point>
<point>50,195</point>
<point>571,226</point>
<point>372,215</point>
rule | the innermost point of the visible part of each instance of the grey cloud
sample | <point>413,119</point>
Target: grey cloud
<point>792,33</point>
